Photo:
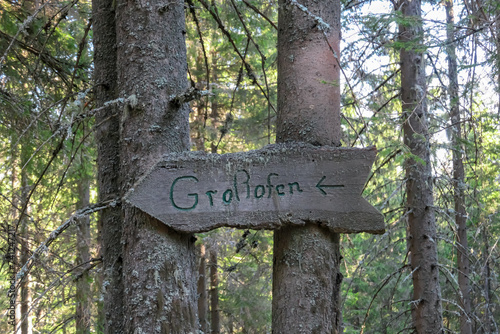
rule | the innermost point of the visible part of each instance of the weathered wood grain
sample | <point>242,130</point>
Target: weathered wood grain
<point>263,189</point>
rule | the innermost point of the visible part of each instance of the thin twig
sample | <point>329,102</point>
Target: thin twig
<point>21,29</point>
<point>255,9</point>
<point>73,220</point>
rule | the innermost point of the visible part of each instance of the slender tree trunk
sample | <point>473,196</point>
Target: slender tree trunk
<point>108,161</point>
<point>497,42</point>
<point>306,272</point>
<point>14,215</point>
<point>214,114</point>
<point>214,294</point>
<point>463,264</point>
<point>83,295</point>
<point>26,318</point>
<point>202,290</point>
<point>159,264</point>
<point>426,304</point>
<point>488,320</point>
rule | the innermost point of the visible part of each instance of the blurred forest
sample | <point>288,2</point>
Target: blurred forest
<point>48,197</point>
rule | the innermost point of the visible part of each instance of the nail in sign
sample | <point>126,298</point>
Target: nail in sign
<point>263,189</point>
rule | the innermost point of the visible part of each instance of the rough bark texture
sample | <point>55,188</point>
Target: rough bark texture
<point>108,161</point>
<point>306,273</point>
<point>463,264</point>
<point>83,295</point>
<point>426,304</point>
<point>159,265</point>
<point>202,290</point>
<point>214,294</point>
<point>306,281</point>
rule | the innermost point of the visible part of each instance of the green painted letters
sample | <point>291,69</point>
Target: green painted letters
<point>296,184</point>
<point>269,185</point>
<point>241,185</point>
<point>262,191</point>
<point>227,197</point>
<point>209,194</point>
<point>195,195</point>
<point>235,183</point>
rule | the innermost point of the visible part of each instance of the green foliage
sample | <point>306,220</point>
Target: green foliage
<point>242,87</point>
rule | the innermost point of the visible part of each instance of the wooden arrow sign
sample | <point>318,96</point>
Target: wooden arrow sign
<point>263,189</point>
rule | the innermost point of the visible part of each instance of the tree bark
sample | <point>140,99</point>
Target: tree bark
<point>108,161</point>
<point>308,73</point>
<point>426,304</point>
<point>83,295</point>
<point>488,320</point>
<point>159,264</point>
<point>26,298</point>
<point>202,290</point>
<point>14,216</point>
<point>214,294</point>
<point>306,272</point>
<point>463,264</point>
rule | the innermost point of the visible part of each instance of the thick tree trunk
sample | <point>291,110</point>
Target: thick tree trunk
<point>108,161</point>
<point>159,265</point>
<point>214,294</point>
<point>202,290</point>
<point>463,264</point>
<point>83,295</point>
<point>308,73</point>
<point>426,304</point>
<point>306,272</point>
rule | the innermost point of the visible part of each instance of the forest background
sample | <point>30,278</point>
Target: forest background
<point>48,156</point>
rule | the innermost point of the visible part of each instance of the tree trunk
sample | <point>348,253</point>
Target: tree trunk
<point>426,304</point>
<point>83,295</point>
<point>159,264</point>
<point>26,319</point>
<point>497,46</point>
<point>202,290</point>
<point>306,273</point>
<point>14,215</point>
<point>214,294</point>
<point>488,320</point>
<point>458,178</point>
<point>108,161</point>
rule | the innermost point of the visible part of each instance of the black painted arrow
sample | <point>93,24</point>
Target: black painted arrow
<point>321,186</point>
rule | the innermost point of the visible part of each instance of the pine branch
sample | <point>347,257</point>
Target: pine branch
<point>22,28</point>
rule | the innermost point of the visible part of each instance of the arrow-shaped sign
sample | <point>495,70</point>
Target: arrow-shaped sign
<point>321,186</point>
<point>279,184</point>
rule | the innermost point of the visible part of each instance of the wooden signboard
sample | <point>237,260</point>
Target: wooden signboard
<point>263,189</point>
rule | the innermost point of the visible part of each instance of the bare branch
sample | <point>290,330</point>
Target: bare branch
<point>189,95</point>
<point>73,220</point>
